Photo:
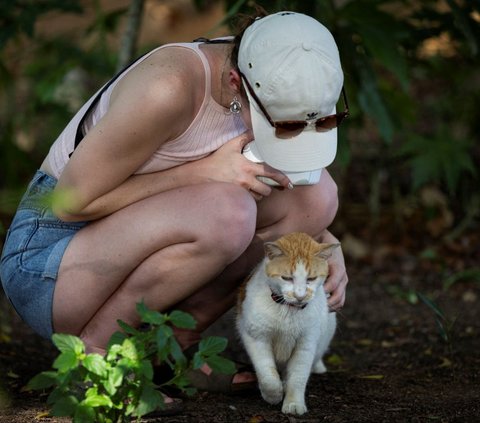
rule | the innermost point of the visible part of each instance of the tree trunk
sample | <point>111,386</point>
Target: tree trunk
<point>129,39</point>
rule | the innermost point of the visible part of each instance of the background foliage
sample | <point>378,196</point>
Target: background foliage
<point>411,75</point>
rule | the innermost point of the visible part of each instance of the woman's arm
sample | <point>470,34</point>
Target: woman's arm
<point>155,102</point>
<point>151,105</point>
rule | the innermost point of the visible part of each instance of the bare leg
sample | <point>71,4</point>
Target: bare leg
<point>162,250</point>
<point>185,248</point>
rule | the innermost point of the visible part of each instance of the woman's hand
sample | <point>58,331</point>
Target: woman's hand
<point>227,164</point>
<point>337,280</point>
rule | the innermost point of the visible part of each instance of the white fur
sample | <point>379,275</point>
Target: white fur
<point>285,343</point>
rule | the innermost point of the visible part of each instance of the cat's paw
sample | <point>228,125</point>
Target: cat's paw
<point>294,407</point>
<point>272,392</point>
<point>319,367</point>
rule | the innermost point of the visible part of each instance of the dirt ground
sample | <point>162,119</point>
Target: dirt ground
<point>388,361</point>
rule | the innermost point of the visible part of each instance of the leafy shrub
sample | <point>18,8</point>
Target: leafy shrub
<point>119,386</point>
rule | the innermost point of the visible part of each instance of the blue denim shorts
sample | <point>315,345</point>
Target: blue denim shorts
<point>33,249</point>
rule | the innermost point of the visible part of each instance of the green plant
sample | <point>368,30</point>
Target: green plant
<point>439,158</point>
<point>119,386</point>
<point>472,275</point>
<point>445,324</point>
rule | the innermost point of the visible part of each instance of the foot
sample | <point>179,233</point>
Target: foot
<point>204,379</point>
<point>319,367</point>
<point>238,378</point>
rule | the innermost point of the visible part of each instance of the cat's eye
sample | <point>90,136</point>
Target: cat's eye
<point>311,279</point>
<point>287,278</point>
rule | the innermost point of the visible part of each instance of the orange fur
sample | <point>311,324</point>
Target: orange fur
<point>296,247</point>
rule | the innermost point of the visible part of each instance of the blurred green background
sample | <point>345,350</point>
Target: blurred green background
<point>411,74</point>
<point>408,160</point>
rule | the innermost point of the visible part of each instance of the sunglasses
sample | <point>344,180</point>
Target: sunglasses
<point>286,129</point>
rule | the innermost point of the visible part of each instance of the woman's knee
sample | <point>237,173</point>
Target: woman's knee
<point>309,209</point>
<point>328,202</point>
<point>323,207</point>
<point>233,219</point>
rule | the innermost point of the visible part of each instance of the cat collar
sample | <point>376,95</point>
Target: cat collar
<point>279,299</point>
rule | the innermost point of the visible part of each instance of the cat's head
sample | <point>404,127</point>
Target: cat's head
<point>296,266</point>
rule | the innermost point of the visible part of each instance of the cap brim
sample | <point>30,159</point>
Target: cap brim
<point>310,150</point>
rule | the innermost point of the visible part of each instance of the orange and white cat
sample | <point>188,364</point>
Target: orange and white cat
<point>283,318</point>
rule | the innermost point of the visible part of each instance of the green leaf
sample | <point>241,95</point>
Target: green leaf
<point>65,406</point>
<point>465,275</point>
<point>465,24</point>
<point>182,320</point>
<point>372,102</point>
<point>97,400</point>
<point>381,34</point>
<point>176,352</point>
<point>84,414</point>
<point>113,352</point>
<point>162,335</point>
<point>67,343</point>
<point>221,364</point>
<point>96,364</point>
<point>127,328</point>
<point>432,305</point>
<point>147,369</point>
<point>116,339</point>
<point>66,361</point>
<point>43,380</point>
<point>129,350</point>
<point>439,157</point>
<point>198,360</point>
<point>115,376</point>
<point>150,400</point>
<point>150,316</point>
<point>212,345</point>
<point>56,394</point>
<point>94,399</point>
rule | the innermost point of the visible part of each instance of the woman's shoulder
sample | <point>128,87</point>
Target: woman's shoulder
<point>170,80</point>
<point>172,64</point>
<point>166,66</point>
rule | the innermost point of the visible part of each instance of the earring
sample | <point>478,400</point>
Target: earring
<point>235,106</point>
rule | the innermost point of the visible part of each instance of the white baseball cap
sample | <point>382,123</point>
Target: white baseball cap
<point>292,64</point>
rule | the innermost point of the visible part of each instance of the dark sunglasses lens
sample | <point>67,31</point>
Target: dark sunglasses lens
<point>326,123</point>
<point>286,130</point>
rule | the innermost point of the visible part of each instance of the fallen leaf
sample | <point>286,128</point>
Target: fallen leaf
<point>372,377</point>
<point>335,360</point>
<point>42,415</point>
<point>365,342</point>
<point>469,296</point>
<point>257,419</point>
<point>445,362</point>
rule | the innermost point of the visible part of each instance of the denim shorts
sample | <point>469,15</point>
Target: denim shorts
<point>33,249</point>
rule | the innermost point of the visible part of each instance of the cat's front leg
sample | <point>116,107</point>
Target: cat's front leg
<point>297,374</point>
<point>261,355</point>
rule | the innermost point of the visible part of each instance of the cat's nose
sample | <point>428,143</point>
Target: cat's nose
<point>300,295</point>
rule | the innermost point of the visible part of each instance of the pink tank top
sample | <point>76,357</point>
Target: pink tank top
<point>210,129</point>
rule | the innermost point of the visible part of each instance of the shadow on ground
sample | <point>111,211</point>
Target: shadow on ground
<point>388,361</point>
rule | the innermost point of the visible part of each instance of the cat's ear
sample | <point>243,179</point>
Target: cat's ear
<point>326,250</point>
<point>272,250</point>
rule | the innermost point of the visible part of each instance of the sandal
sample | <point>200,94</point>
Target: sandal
<point>219,382</point>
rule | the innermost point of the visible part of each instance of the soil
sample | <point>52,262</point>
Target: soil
<point>388,362</point>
